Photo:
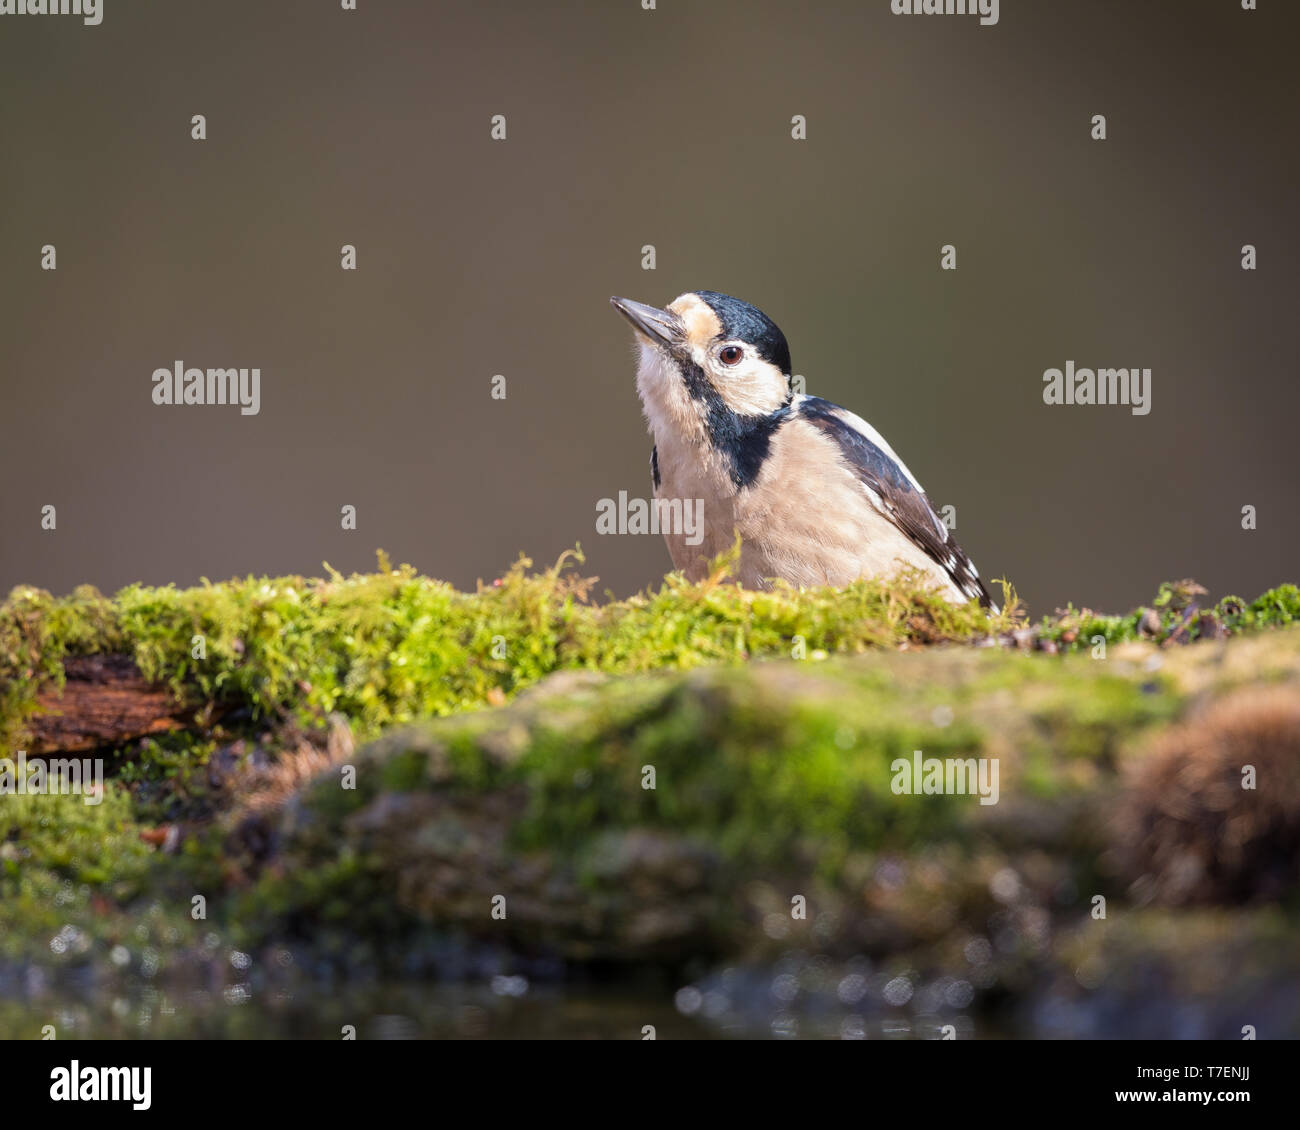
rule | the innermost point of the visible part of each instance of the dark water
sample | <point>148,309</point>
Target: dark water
<point>798,996</point>
<point>379,1011</point>
<point>744,1003</point>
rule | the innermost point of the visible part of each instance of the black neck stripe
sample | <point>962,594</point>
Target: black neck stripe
<point>744,441</point>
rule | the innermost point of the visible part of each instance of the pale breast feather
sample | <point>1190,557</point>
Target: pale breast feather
<point>893,490</point>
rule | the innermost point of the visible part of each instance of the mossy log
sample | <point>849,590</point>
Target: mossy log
<point>104,701</point>
<point>382,649</point>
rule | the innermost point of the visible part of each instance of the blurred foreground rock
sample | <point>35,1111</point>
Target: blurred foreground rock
<point>1125,882</point>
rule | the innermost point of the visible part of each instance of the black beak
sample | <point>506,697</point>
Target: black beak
<point>661,326</point>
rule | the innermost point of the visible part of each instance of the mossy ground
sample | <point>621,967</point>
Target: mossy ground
<point>767,774</point>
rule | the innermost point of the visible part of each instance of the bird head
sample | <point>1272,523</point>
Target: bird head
<point>706,355</point>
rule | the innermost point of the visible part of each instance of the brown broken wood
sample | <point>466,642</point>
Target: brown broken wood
<point>105,700</point>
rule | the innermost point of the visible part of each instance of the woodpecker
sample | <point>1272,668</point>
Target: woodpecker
<point>815,493</point>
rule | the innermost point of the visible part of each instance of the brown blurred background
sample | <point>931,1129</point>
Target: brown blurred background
<point>627,127</point>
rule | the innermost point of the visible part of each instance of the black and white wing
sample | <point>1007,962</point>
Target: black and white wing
<point>894,491</point>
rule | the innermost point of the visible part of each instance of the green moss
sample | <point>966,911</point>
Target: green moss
<point>167,776</point>
<point>770,770</point>
<point>392,646</point>
<point>1173,609</point>
<point>57,854</point>
<point>772,765</point>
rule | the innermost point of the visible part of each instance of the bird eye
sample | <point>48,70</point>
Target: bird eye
<point>731,355</point>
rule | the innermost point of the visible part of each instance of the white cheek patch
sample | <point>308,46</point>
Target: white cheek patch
<point>752,388</point>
